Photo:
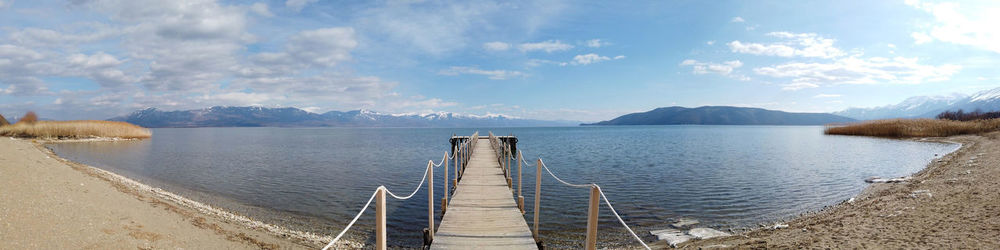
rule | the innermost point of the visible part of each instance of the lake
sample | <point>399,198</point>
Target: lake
<point>316,179</point>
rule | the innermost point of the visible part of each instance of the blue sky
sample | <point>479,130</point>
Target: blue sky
<point>576,60</point>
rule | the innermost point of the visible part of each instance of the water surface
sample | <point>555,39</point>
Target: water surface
<point>316,179</point>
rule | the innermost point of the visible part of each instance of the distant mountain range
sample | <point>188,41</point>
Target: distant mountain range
<point>294,117</point>
<point>723,115</point>
<point>928,106</point>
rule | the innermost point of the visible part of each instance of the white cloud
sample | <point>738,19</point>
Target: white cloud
<point>737,20</point>
<point>921,38</point>
<point>966,23</point>
<point>801,45</point>
<point>596,43</point>
<point>798,86</point>
<point>540,62</point>
<point>855,70</point>
<point>427,27</point>
<point>496,46</point>
<point>724,68</point>
<point>261,9</point>
<point>323,47</point>
<point>235,99</point>
<point>100,67</point>
<point>31,36</point>
<point>491,74</point>
<point>592,58</point>
<point>297,5</point>
<point>547,46</point>
<point>826,96</point>
<point>712,42</point>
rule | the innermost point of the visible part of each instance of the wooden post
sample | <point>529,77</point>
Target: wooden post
<point>456,166</point>
<point>510,176</point>
<point>444,201</point>
<point>457,153</point>
<point>592,218</point>
<point>538,196</point>
<point>380,218</point>
<point>520,198</point>
<point>430,198</point>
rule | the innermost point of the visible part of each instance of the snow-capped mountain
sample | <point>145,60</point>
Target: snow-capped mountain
<point>928,106</point>
<point>294,117</point>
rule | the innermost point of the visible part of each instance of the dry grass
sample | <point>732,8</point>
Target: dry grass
<point>900,128</point>
<point>3,121</point>
<point>75,130</point>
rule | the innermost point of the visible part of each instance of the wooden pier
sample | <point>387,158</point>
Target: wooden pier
<point>487,209</point>
<point>482,213</point>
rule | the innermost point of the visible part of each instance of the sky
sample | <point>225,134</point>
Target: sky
<point>569,60</point>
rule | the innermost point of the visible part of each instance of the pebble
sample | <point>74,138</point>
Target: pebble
<point>917,193</point>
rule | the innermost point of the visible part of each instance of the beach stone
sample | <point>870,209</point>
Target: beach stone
<point>672,236</point>
<point>779,226</point>
<point>918,193</point>
<point>684,222</point>
<point>702,233</point>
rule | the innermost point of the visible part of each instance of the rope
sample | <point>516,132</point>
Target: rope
<point>606,201</point>
<point>354,220</point>
<point>414,191</point>
<point>442,160</point>
<point>526,162</point>
<point>563,182</point>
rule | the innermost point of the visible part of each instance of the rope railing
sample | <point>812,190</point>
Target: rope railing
<point>349,225</point>
<point>595,190</point>
<point>462,153</point>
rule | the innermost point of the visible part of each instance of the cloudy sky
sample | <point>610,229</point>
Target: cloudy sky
<point>84,59</point>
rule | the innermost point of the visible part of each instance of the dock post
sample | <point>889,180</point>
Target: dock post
<point>430,199</point>
<point>592,212</point>
<point>510,177</point>
<point>444,201</point>
<point>454,182</point>
<point>380,218</point>
<point>520,198</point>
<point>538,196</point>
<point>456,166</point>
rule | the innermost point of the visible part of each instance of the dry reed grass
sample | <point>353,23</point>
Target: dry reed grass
<point>3,121</point>
<point>900,128</point>
<point>75,130</point>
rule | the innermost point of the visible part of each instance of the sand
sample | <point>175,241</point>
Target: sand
<point>49,203</point>
<point>954,203</point>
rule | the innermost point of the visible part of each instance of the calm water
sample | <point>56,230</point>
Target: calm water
<point>316,179</point>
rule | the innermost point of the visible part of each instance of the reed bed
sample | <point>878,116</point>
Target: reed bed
<point>901,128</point>
<point>81,129</point>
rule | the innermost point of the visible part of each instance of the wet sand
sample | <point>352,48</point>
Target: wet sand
<point>954,203</point>
<point>47,202</point>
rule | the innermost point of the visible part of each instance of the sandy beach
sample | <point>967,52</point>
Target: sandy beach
<point>954,203</point>
<point>50,203</point>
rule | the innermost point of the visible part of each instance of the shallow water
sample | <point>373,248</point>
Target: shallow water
<point>316,179</point>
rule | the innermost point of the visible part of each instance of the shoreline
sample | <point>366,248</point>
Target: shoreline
<point>200,225</point>
<point>951,202</point>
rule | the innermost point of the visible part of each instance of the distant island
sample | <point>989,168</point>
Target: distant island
<point>723,115</point>
<point>293,117</point>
